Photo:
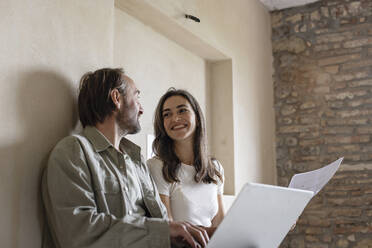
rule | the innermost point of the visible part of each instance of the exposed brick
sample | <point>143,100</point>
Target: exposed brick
<point>345,95</point>
<point>324,11</point>
<point>326,38</point>
<point>347,212</point>
<point>332,69</point>
<point>313,230</point>
<point>327,238</point>
<point>360,102</point>
<point>312,238</point>
<point>338,11</point>
<point>315,15</point>
<point>293,44</point>
<point>350,76</point>
<point>341,59</point>
<point>361,83</point>
<point>358,64</point>
<point>354,113</point>
<point>295,18</point>
<point>352,229</point>
<point>347,139</point>
<point>365,243</point>
<point>338,130</point>
<point>276,19</point>
<point>355,8</point>
<point>296,128</point>
<point>312,142</point>
<point>364,130</point>
<point>336,193</point>
<point>308,105</point>
<point>358,43</point>
<point>322,90</point>
<point>342,243</point>
<point>288,110</point>
<point>351,237</point>
<point>347,122</point>
<point>323,109</point>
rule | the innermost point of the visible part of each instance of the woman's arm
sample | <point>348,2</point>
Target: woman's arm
<point>220,213</point>
<point>166,202</point>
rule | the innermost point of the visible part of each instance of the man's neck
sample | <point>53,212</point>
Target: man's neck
<point>110,129</point>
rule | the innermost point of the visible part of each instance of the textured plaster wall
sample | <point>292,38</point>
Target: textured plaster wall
<point>45,47</point>
<point>241,30</point>
<point>155,64</point>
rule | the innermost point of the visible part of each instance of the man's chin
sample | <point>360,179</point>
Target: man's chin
<point>135,130</point>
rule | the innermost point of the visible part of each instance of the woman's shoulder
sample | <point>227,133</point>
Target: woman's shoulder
<point>217,165</point>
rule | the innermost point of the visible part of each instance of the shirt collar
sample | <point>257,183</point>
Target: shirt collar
<point>98,140</point>
<point>101,143</point>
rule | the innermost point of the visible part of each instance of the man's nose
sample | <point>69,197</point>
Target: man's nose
<point>141,110</point>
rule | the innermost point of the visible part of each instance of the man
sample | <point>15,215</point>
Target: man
<point>97,191</point>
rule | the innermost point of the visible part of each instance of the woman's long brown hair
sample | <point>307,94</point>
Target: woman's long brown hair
<point>163,145</point>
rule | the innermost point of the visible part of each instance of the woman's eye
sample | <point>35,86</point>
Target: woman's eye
<point>182,110</point>
<point>165,115</point>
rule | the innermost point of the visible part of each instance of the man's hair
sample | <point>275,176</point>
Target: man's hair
<point>94,101</point>
<point>163,145</point>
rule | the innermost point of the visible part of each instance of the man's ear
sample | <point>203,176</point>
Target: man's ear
<point>115,97</point>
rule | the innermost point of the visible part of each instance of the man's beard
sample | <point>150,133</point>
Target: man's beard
<point>128,125</point>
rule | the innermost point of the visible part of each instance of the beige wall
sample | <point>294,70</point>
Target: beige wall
<point>239,29</point>
<point>47,45</point>
<point>155,63</point>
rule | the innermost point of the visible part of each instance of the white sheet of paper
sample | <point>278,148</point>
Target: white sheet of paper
<point>315,180</point>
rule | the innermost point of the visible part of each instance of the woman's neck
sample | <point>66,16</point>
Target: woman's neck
<point>185,151</point>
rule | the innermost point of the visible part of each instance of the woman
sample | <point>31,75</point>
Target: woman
<point>189,182</point>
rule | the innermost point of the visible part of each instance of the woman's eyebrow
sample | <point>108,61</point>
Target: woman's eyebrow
<point>181,106</point>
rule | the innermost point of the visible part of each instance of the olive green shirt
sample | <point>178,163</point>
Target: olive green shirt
<point>97,196</point>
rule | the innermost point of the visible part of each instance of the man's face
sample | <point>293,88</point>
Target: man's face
<point>130,110</point>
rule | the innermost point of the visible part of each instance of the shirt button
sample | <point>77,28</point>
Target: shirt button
<point>126,157</point>
<point>130,212</point>
<point>125,188</point>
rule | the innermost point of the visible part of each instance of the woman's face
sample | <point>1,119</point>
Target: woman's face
<point>179,118</point>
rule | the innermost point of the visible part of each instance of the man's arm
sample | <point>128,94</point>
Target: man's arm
<point>73,216</point>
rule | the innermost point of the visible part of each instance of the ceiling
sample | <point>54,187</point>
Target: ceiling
<point>283,4</point>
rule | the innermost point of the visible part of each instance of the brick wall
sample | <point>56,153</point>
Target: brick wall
<point>323,105</point>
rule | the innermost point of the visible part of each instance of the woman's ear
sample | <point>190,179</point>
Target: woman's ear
<point>115,97</point>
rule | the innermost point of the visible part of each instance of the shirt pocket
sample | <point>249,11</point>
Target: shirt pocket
<point>113,196</point>
<point>111,185</point>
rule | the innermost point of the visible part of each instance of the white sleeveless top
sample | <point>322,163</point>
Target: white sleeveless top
<point>189,201</point>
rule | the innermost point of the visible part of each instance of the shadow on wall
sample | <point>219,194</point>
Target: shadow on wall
<point>46,106</point>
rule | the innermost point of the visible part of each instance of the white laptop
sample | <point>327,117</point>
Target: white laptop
<point>260,217</point>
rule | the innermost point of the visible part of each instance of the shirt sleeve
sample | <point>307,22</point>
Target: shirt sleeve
<point>220,183</point>
<point>72,213</point>
<point>156,168</point>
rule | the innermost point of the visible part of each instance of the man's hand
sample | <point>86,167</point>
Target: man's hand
<point>195,236</point>
<point>210,230</point>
